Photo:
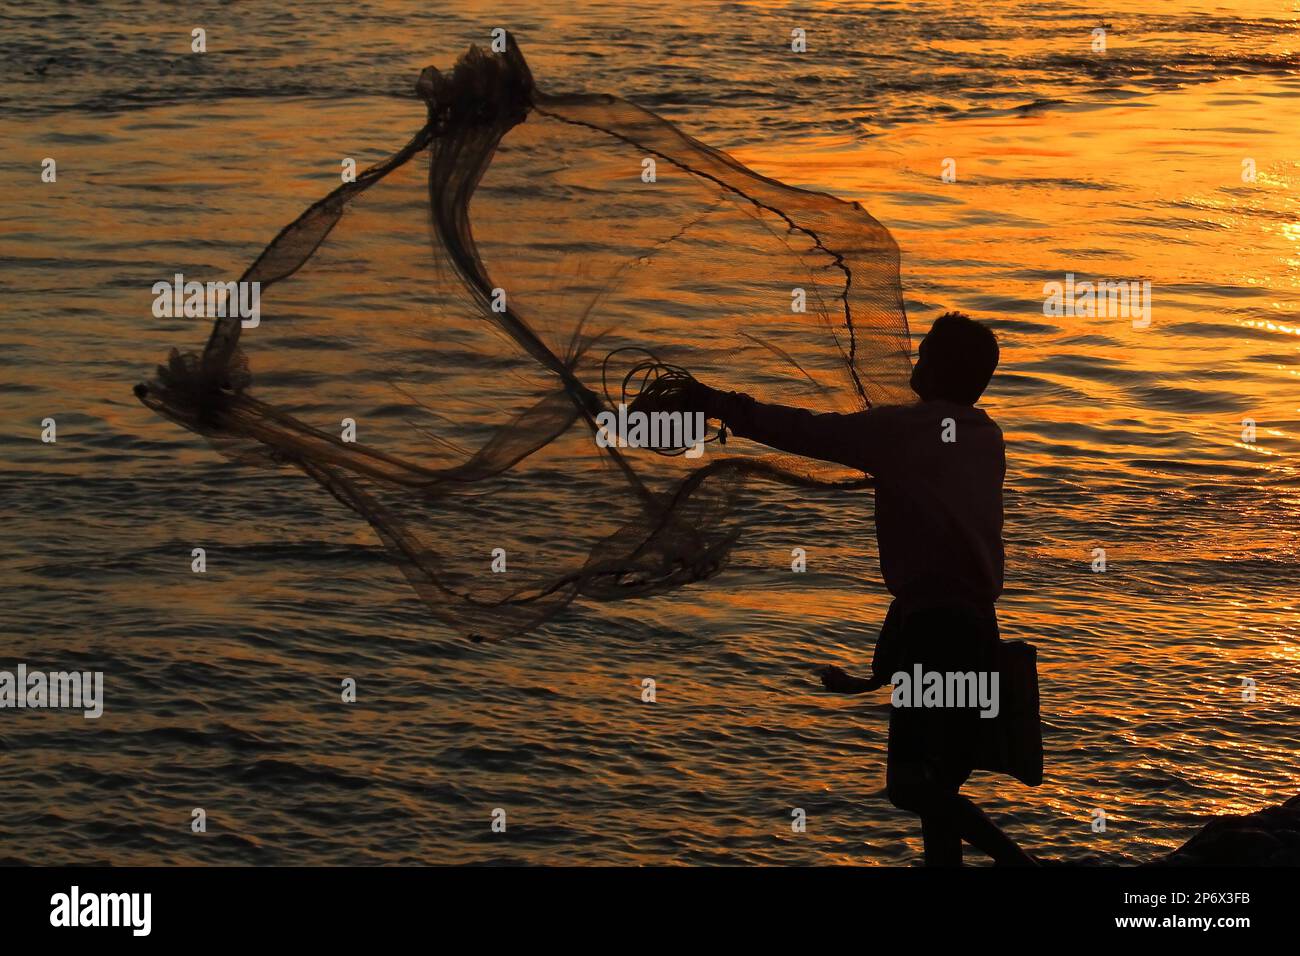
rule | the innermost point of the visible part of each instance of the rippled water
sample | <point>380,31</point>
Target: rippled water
<point>222,689</point>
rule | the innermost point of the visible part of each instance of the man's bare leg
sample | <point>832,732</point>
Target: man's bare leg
<point>945,813</point>
<point>942,841</point>
<point>983,834</point>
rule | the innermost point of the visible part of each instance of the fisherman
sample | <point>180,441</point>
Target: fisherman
<point>938,466</point>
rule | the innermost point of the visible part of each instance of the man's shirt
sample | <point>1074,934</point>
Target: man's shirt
<point>939,468</point>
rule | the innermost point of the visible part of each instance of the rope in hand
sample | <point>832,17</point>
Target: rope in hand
<point>657,382</point>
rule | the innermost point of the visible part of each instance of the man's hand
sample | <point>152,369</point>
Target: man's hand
<point>838,681</point>
<point>671,394</point>
<point>834,679</point>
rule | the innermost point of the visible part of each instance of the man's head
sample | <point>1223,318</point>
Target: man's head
<point>956,360</point>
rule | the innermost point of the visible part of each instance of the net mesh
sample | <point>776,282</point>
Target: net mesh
<point>471,305</point>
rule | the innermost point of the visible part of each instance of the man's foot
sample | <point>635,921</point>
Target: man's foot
<point>1017,858</point>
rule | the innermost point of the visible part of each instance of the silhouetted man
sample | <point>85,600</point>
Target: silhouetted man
<point>938,466</point>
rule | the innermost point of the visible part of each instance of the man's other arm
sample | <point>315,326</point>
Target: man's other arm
<point>828,436</point>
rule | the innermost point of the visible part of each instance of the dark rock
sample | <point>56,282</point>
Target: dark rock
<point>1268,837</point>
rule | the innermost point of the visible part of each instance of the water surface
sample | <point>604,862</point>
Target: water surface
<point>223,688</point>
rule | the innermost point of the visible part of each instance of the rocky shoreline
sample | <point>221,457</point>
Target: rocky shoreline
<point>1268,837</point>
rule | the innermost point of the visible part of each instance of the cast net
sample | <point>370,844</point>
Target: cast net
<point>475,302</point>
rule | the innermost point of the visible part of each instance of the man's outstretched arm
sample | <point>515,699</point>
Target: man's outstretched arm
<point>827,436</point>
